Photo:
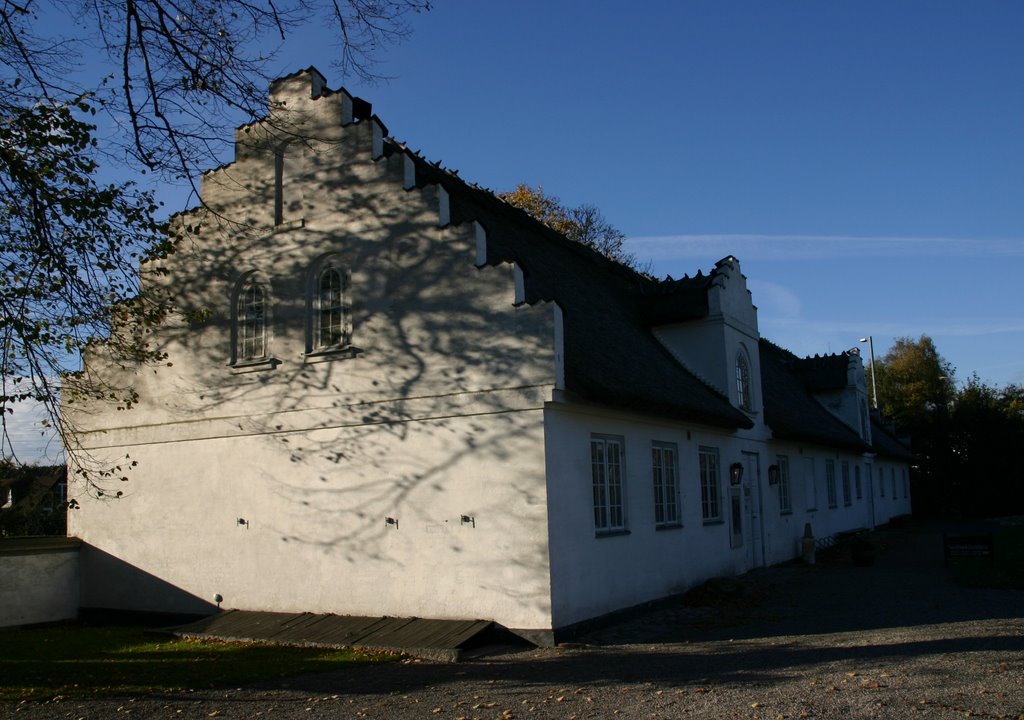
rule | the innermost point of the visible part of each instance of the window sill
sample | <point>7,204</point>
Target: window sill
<point>668,526</point>
<point>247,366</point>
<point>336,353</point>
<point>289,225</point>
<point>610,533</point>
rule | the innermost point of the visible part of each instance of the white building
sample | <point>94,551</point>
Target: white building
<point>391,393</point>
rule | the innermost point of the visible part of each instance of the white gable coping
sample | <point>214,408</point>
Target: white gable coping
<point>444,214</point>
<point>559,347</point>
<point>409,167</point>
<point>520,282</point>
<point>481,244</point>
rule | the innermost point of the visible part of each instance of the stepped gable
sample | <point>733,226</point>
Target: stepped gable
<point>823,372</point>
<point>611,355</point>
<point>790,410</point>
<point>670,301</point>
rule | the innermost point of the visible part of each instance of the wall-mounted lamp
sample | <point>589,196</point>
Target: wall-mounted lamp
<point>468,520</point>
<point>243,522</point>
<point>736,473</point>
<point>390,521</point>
<point>773,474</point>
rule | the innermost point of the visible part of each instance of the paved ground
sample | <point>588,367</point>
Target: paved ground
<point>895,640</point>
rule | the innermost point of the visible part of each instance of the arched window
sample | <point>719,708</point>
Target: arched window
<point>251,322</point>
<point>331,308</point>
<point>744,394</point>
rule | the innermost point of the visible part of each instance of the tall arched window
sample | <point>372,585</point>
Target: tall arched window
<point>331,308</point>
<point>744,394</point>
<point>328,307</point>
<point>251,322</point>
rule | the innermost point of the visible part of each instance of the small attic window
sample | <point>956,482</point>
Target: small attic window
<point>744,395</point>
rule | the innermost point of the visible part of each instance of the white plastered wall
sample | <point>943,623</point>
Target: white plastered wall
<point>435,413</point>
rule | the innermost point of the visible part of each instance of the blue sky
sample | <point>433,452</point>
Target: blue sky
<point>864,160</point>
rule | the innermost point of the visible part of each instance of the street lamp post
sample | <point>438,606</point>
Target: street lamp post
<point>874,386</point>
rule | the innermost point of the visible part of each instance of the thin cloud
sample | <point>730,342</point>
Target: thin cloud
<point>666,248</point>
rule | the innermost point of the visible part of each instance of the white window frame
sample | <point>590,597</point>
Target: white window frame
<point>810,484</point>
<point>847,494</point>
<point>830,483</point>
<point>785,487</point>
<point>608,482</point>
<point>665,478</point>
<point>329,309</point>
<point>744,388</point>
<point>252,311</point>
<point>710,484</point>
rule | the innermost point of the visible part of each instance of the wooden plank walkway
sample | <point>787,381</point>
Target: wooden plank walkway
<point>432,639</point>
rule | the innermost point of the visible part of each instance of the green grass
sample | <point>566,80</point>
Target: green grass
<point>86,661</point>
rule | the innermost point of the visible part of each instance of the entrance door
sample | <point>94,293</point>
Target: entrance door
<point>754,532</point>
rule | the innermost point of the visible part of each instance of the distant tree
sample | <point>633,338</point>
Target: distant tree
<point>962,438</point>
<point>914,381</point>
<point>173,75</point>
<point>584,224</point>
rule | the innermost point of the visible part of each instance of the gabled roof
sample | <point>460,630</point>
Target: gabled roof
<point>611,355</point>
<point>790,409</point>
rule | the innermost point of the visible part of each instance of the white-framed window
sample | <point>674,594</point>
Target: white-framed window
<point>892,481</point>
<point>665,475</point>
<point>857,482</point>
<point>810,484</point>
<point>847,497</point>
<point>331,330</point>
<point>785,490</point>
<point>251,321</point>
<point>329,308</point>
<point>830,483</point>
<point>710,504</point>
<point>607,468</point>
<point>744,391</point>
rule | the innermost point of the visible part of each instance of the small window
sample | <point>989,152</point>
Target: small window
<point>857,482</point>
<point>744,395</point>
<point>664,472</point>
<point>847,496</point>
<point>709,483</point>
<point>892,480</point>
<point>830,483</point>
<point>785,494</point>
<point>607,460</point>
<point>251,323</point>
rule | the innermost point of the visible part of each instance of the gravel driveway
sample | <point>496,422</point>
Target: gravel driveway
<point>894,640</point>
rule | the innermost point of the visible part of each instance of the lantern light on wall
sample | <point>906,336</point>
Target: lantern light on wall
<point>736,473</point>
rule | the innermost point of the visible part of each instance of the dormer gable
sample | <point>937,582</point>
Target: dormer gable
<point>839,384</point>
<point>709,324</point>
